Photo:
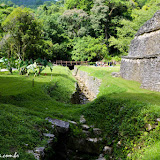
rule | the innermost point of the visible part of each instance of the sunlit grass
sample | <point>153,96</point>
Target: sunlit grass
<point>121,110</point>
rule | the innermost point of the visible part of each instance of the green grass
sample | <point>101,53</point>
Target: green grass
<point>24,107</point>
<point>120,88</point>
<point>121,110</point>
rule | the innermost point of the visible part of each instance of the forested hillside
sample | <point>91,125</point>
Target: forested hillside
<point>72,30</point>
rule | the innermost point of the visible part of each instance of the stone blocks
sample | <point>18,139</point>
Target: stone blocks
<point>143,61</point>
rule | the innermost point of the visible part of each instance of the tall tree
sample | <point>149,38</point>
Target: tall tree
<point>128,29</point>
<point>89,48</point>
<point>99,17</point>
<point>24,29</point>
<point>75,21</point>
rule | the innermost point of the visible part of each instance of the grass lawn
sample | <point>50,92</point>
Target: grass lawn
<point>121,110</point>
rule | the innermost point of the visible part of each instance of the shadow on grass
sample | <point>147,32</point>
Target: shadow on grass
<point>122,120</point>
<point>18,90</point>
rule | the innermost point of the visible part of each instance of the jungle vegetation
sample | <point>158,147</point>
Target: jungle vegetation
<point>87,30</point>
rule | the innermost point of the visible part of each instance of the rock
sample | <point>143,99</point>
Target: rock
<point>39,150</point>
<point>61,126</point>
<point>119,143</point>
<point>52,126</point>
<point>92,126</point>
<point>85,127</point>
<point>101,157</point>
<point>36,156</point>
<point>148,127</point>
<point>95,140</point>
<point>107,150</point>
<point>88,146</point>
<point>115,74</point>
<point>151,25</point>
<point>154,126</point>
<point>97,131</point>
<point>72,122</point>
<point>87,133</point>
<point>49,135</point>
<point>113,141</point>
<point>82,119</point>
<point>91,84</point>
<point>49,141</point>
<point>129,155</point>
<point>158,119</point>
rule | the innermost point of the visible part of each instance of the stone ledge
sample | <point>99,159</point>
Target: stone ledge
<point>141,57</point>
<point>151,25</point>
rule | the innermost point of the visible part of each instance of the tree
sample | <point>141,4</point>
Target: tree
<point>99,17</point>
<point>24,29</point>
<point>128,28</point>
<point>75,22</point>
<point>52,29</point>
<point>105,14</point>
<point>86,5</point>
<point>89,49</point>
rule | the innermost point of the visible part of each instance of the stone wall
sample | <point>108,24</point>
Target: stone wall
<point>92,83</point>
<point>143,61</point>
<point>144,70</point>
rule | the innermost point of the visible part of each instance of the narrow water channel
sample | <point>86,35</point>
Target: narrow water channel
<point>79,97</point>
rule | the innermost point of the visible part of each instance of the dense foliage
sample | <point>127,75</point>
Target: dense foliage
<point>71,30</point>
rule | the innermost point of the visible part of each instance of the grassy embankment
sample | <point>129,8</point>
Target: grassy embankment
<point>121,110</point>
<point>24,107</point>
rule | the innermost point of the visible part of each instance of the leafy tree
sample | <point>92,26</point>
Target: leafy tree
<point>105,15</point>
<point>129,27</point>
<point>62,51</point>
<point>52,29</point>
<point>86,5</point>
<point>99,17</point>
<point>89,49</point>
<point>57,43</point>
<point>5,10</point>
<point>75,22</point>
<point>24,30</point>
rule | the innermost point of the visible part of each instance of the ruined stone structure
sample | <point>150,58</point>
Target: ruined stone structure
<point>91,83</point>
<point>143,61</point>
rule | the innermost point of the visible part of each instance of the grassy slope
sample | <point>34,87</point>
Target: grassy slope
<point>23,108</point>
<point>121,111</point>
<point>120,88</point>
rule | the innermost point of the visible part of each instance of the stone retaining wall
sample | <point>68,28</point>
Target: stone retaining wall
<point>144,70</point>
<point>92,83</point>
